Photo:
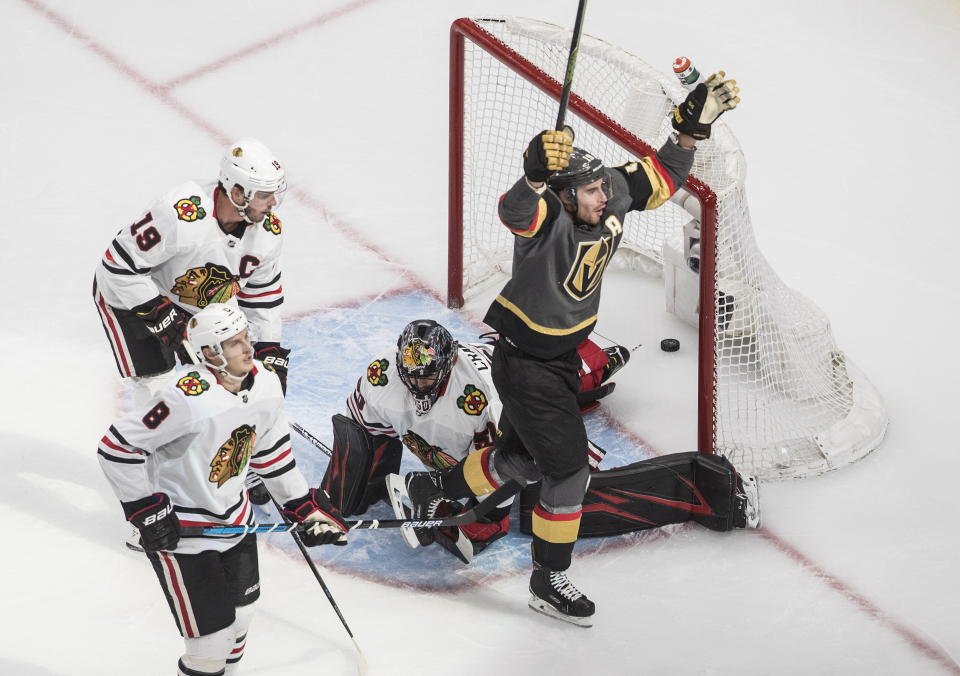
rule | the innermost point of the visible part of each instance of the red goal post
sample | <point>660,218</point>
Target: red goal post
<point>774,393</point>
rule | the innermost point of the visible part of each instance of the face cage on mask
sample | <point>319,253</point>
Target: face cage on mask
<point>424,400</point>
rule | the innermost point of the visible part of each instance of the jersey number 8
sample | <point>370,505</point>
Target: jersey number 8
<point>156,415</point>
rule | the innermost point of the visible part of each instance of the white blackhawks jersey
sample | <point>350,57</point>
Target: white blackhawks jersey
<point>463,419</point>
<point>202,441</point>
<point>178,250</point>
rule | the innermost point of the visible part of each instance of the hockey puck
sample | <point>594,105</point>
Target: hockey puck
<point>669,344</point>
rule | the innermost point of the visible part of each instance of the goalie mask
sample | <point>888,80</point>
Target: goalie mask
<point>584,168</point>
<point>250,164</point>
<point>209,328</point>
<point>426,353</point>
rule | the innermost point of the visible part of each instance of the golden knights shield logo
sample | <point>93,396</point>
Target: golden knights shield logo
<point>433,456</point>
<point>204,285</point>
<point>377,372</point>
<point>473,400</point>
<point>588,266</point>
<point>233,455</point>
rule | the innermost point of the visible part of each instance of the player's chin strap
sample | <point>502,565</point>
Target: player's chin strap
<point>242,208</point>
<point>221,371</point>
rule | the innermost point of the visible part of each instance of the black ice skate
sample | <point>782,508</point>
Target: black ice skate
<point>426,499</point>
<point>551,593</point>
<point>617,358</point>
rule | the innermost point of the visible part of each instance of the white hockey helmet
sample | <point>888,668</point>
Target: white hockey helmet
<point>251,165</point>
<point>210,327</point>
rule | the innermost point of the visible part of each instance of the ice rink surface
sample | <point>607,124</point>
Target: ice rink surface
<point>848,124</point>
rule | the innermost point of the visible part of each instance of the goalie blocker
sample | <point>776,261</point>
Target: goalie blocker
<point>674,488</point>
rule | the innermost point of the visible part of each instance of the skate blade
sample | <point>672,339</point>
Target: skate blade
<point>396,492</point>
<point>544,608</point>
<point>460,546</point>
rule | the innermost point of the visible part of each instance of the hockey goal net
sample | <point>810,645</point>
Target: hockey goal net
<point>776,395</point>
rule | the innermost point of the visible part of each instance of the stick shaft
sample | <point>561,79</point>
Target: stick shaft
<point>571,64</point>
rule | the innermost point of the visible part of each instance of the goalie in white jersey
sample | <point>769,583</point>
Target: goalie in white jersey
<point>198,244</point>
<point>202,434</point>
<point>434,396</point>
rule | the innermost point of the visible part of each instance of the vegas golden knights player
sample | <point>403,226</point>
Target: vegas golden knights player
<point>566,214</point>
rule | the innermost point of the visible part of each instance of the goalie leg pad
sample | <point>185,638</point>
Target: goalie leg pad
<point>651,493</point>
<point>354,476</point>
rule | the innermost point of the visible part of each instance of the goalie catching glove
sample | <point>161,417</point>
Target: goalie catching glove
<point>548,152</point>
<point>320,522</point>
<point>154,517</point>
<point>275,358</point>
<point>708,101</point>
<point>164,320</point>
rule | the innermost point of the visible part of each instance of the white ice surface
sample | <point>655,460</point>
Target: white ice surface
<point>849,126</point>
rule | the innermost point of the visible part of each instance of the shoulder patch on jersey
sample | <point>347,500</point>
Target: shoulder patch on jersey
<point>272,224</point>
<point>189,209</point>
<point>473,400</point>
<point>377,372</point>
<point>233,455</point>
<point>192,384</point>
<point>432,456</point>
<point>201,286</point>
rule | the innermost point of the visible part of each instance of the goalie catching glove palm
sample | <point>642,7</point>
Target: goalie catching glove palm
<point>320,522</point>
<point>548,152</point>
<point>708,101</point>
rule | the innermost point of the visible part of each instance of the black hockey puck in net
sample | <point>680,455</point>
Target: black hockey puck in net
<point>669,344</point>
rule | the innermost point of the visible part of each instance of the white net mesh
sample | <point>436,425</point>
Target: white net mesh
<point>786,402</point>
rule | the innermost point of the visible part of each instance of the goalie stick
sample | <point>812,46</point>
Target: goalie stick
<point>507,490</point>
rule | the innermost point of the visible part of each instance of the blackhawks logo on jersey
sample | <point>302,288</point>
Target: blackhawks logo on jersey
<point>192,384</point>
<point>233,455</point>
<point>377,372</point>
<point>272,224</point>
<point>189,209</point>
<point>432,456</point>
<point>473,400</point>
<point>201,286</point>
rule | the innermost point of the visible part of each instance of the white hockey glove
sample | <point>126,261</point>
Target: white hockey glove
<point>708,101</point>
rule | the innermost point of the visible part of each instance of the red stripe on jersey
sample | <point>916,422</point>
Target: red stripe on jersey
<point>663,172</point>
<point>259,295</point>
<point>485,465</point>
<point>188,630</point>
<point>107,442</point>
<point>116,336</point>
<point>109,256</point>
<point>261,465</point>
<point>244,513</point>
<point>550,516</point>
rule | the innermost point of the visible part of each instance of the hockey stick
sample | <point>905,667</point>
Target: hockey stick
<point>362,664</point>
<point>507,490</point>
<point>571,64</point>
<point>299,429</point>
